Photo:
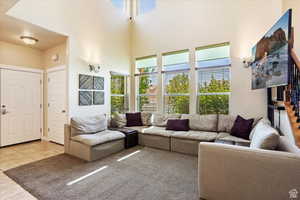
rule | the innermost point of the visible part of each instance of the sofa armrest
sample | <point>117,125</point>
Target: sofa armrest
<point>67,137</point>
<point>235,173</point>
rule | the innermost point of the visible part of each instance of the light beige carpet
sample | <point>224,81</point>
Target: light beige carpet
<point>146,174</point>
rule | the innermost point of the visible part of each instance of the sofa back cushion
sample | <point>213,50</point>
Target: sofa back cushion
<point>88,125</point>
<point>161,120</point>
<point>265,137</point>
<point>146,118</point>
<point>118,120</point>
<point>287,145</point>
<point>202,122</point>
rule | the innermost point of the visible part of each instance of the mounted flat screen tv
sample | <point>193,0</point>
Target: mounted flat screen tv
<point>271,55</point>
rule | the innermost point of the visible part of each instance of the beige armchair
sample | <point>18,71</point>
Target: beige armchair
<point>240,173</point>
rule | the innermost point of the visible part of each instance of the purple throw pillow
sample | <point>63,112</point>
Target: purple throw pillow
<point>178,125</point>
<point>134,119</point>
<point>242,127</point>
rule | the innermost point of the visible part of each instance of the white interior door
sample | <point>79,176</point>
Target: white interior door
<point>57,113</point>
<point>20,106</point>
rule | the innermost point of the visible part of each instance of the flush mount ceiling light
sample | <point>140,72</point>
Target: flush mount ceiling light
<point>29,40</point>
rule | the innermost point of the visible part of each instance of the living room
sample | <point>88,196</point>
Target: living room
<point>133,67</point>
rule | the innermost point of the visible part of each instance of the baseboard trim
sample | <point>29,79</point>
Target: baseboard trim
<point>44,138</point>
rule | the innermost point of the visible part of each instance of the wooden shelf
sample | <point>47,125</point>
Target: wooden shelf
<point>293,122</point>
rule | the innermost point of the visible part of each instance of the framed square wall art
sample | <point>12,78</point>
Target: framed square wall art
<point>98,83</point>
<point>85,82</point>
<point>85,98</point>
<point>98,98</point>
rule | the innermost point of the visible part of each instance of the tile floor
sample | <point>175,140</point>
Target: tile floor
<point>17,155</point>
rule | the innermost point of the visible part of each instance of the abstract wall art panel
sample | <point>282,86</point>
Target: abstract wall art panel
<point>85,98</point>
<point>85,82</point>
<point>98,98</point>
<point>98,83</point>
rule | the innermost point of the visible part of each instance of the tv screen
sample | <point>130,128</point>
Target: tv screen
<point>271,55</point>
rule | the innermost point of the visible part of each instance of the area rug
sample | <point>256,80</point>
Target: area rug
<point>135,174</point>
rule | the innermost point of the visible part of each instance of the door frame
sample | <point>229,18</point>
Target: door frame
<point>50,70</point>
<point>30,70</point>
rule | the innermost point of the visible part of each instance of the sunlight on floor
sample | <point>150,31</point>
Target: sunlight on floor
<point>86,176</point>
<point>129,155</point>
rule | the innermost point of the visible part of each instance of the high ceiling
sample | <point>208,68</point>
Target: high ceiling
<point>12,28</point>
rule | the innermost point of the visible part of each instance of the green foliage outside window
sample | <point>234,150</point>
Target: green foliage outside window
<point>210,103</point>
<point>179,84</point>
<point>118,96</point>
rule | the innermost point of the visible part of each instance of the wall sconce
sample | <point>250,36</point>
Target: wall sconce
<point>248,62</point>
<point>94,68</point>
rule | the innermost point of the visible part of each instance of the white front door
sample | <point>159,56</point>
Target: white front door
<point>20,106</point>
<point>57,113</point>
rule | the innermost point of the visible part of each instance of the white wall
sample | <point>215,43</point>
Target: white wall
<point>295,6</point>
<point>177,24</point>
<point>17,55</point>
<point>97,32</point>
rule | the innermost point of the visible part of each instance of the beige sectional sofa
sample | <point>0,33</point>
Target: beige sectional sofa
<point>235,172</point>
<point>204,128</point>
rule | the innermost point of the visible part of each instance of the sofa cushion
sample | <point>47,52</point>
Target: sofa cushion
<point>99,138</point>
<point>242,127</point>
<point>146,118</point>
<point>134,119</point>
<point>88,125</point>
<point>265,137</point>
<point>227,137</point>
<point>137,128</point>
<point>195,135</point>
<point>178,125</point>
<point>118,120</point>
<point>160,120</point>
<point>285,144</point>
<point>264,120</point>
<point>202,122</point>
<point>155,130</point>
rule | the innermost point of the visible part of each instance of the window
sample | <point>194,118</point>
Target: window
<point>176,82</point>
<point>146,79</point>
<point>119,97</point>
<point>145,6</point>
<point>213,65</point>
<point>118,3</point>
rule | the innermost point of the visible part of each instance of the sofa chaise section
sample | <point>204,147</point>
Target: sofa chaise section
<point>88,138</point>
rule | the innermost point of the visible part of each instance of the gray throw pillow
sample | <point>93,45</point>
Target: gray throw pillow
<point>264,137</point>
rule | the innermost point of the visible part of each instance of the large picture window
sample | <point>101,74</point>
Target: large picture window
<point>146,81</point>
<point>119,97</point>
<point>176,81</point>
<point>213,65</point>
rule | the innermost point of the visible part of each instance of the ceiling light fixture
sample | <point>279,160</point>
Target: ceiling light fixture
<point>29,40</point>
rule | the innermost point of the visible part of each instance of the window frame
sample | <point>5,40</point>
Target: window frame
<point>137,76</point>
<point>177,71</point>
<point>125,95</point>
<point>212,68</point>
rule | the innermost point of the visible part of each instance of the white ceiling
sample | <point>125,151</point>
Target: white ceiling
<point>12,28</point>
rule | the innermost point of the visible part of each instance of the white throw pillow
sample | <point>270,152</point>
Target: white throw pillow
<point>264,137</point>
<point>263,120</point>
